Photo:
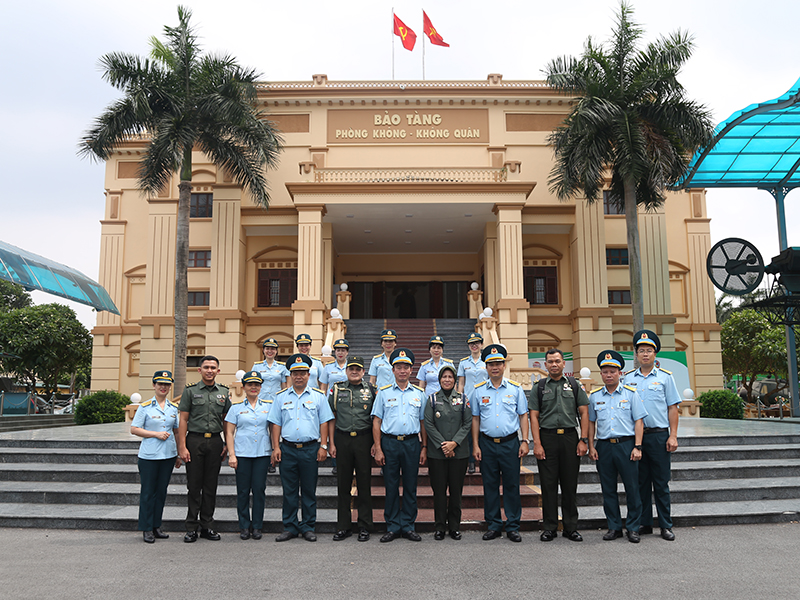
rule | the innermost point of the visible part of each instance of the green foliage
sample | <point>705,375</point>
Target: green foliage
<point>45,342</point>
<point>13,296</point>
<point>101,407</point>
<point>751,346</point>
<point>721,404</point>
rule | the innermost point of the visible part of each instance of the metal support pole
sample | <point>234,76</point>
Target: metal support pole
<point>791,345</point>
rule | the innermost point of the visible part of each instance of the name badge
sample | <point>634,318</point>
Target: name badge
<point>485,400</point>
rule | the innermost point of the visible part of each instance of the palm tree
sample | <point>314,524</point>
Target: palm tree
<point>631,120</point>
<point>183,100</point>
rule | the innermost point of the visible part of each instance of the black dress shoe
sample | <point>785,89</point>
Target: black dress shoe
<point>363,535</point>
<point>209,534</point>
<point>309,536</point>
<point>256,534</point>
<point>471,468</point>
<point>191,536</point>
<point>390,536</point>
<point>645,530</point>
<point>612,534</point>
<point>633,536</point>
<point>438,536</point>
<point>334,471</point>
<point>244,534</point>
<point>456,535</point>
<point>286,535</point>
<point>514,536</point>
<point>573,536</point>
<point>412,535</point>
<point>667,534</point>
<point>149,537</point>
<point>342,534</point>
<point>271,469</point>
<point>548,535</point>
<point>492,534</point>
<point>159,535</point>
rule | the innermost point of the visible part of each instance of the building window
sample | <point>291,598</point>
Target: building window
<point>201,259</point>
<point>619,296</point>
<point>616,256</point>
<point>201,205</point>
<point>193,362</point>
<point>612,205</point>
<point>277,287</point>
<point>199,298</point>
<point>541,285</point>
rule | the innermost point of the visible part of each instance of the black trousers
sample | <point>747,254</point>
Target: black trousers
<point>614,460</point>
<point>560,466</point>
<point>447,473</point>
<point>154,476</point>
<point>299,474</point>
<point>654,476</point>
<point>202,474</point>
<point>251,477</point>
<point>353,454</point>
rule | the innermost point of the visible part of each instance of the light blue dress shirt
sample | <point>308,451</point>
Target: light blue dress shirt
<point>315,372</point>
<point>429,373</point>
<point>333,373</point>
<point>658,392</point>
<point>252,435</point>
<point>400,411</point>
<point>300,416</point>
<point>149,416</point>
<point>274,378</point>
<point>382,370</point>
<point>498,407</point>
<point>615,413</point>
<point>473,372</point>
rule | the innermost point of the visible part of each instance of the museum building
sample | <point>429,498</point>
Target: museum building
<point>411,193</point>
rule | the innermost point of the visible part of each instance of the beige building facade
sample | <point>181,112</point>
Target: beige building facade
<point>410,193</point>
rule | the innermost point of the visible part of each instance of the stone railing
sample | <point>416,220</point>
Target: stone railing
<point>444,175</point>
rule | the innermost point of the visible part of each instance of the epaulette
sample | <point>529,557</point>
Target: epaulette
<point>193,384</point>
<point>261,362</point>
<point>281,362</point>
<point>283,390</point>
<point>627,372</point>
<point>425,363</point>
<point>447,360</point>
<point>318,390</point>
<point>513,383</point>
<point>237,401</point>
<point>417,387</point>
<point>175,404</point>
<point>148,403</point>
<point>222,386</point>
<point>665,371</point>
<point>386,386</point>
<point>378,355</point>
<point>463,359</point>
<point>477,385</point>
<point>627,387</point>
<point>595,390</point>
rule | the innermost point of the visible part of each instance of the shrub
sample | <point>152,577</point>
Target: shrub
<point>101,407</point>
<point>721,404</point>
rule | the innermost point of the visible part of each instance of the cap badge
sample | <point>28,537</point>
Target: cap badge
<point>608,356</point>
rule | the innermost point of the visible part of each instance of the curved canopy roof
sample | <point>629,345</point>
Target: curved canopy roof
<point>34,272</point>
<point>756,147</point>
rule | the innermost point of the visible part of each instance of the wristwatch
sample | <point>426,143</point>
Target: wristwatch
<point>639,448</point>
<point>324,446</point>
<point>585,440</point>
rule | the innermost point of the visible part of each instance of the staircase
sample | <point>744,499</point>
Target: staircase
<point>25,422</point>
<point>91,481</point>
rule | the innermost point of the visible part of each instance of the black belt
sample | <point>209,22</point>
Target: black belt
<point>205,435</point>
<point>402,438</point>
<point>299,445</point>
<point>353,433</point>
<point>559,431</point>
<point>624,438</point>
<point>500,440</point>
<point>655,429</point>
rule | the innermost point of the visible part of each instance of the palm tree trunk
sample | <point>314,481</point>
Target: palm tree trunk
<point>634,258</point>
<point>181,284</point>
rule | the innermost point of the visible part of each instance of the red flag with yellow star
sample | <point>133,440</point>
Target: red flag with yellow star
<point>431,32</point>
<point>407,36</point>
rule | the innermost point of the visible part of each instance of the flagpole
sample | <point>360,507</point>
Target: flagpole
<point>393,43</point>
<point>423,54</point>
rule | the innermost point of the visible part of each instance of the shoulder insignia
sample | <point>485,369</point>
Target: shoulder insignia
<point>386,387</point>
<point>237,401</point>
<point>318,390</point>
<point>665,371</point>
<point>148,403</point>
<point>513,382</point>
<point>222,386</point>
<point>425,363</point>
<point>280,362</point>
<point>628,372</point>
<point>447,360</point>
<point>595,390</point>
<point>463,359</point>
<point>193,384</point>
<point>378,355</point>
<point>477,385</point>
<point>261,362</point>
<point>627,387</point>
<point>417,388</point>
<point>175,404</point>
<point>283,390</point>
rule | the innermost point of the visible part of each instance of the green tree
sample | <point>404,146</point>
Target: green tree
<point>631,120</point>
<point>45,343</point>
<point>183,100</point>
<point>13,296</point>
<point>751,346</point>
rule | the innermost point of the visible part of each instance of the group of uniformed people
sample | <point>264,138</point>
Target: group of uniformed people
<point>456,416</point>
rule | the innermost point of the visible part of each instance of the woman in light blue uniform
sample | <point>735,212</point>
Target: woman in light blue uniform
<point>249,450</point>
<point>303,341</point>
<point>157,422</point>
<point>337,370</point>
<point>273,372</point>
<point>428,374</point>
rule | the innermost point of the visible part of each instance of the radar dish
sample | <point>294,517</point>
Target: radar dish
<point>735,266</point>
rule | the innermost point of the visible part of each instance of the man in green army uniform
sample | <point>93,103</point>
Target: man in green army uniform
<point>351,445</point>
<point>202,447</point>
<point>556,405</point>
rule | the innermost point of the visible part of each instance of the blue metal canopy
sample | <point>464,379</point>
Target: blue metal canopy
<point>34,272</point>
<point>756,147</point>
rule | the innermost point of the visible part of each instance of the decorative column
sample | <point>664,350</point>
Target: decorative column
<point>511,308</point>
<point>655,277</point>
<point>309,308</point>
<point>591,316</point>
